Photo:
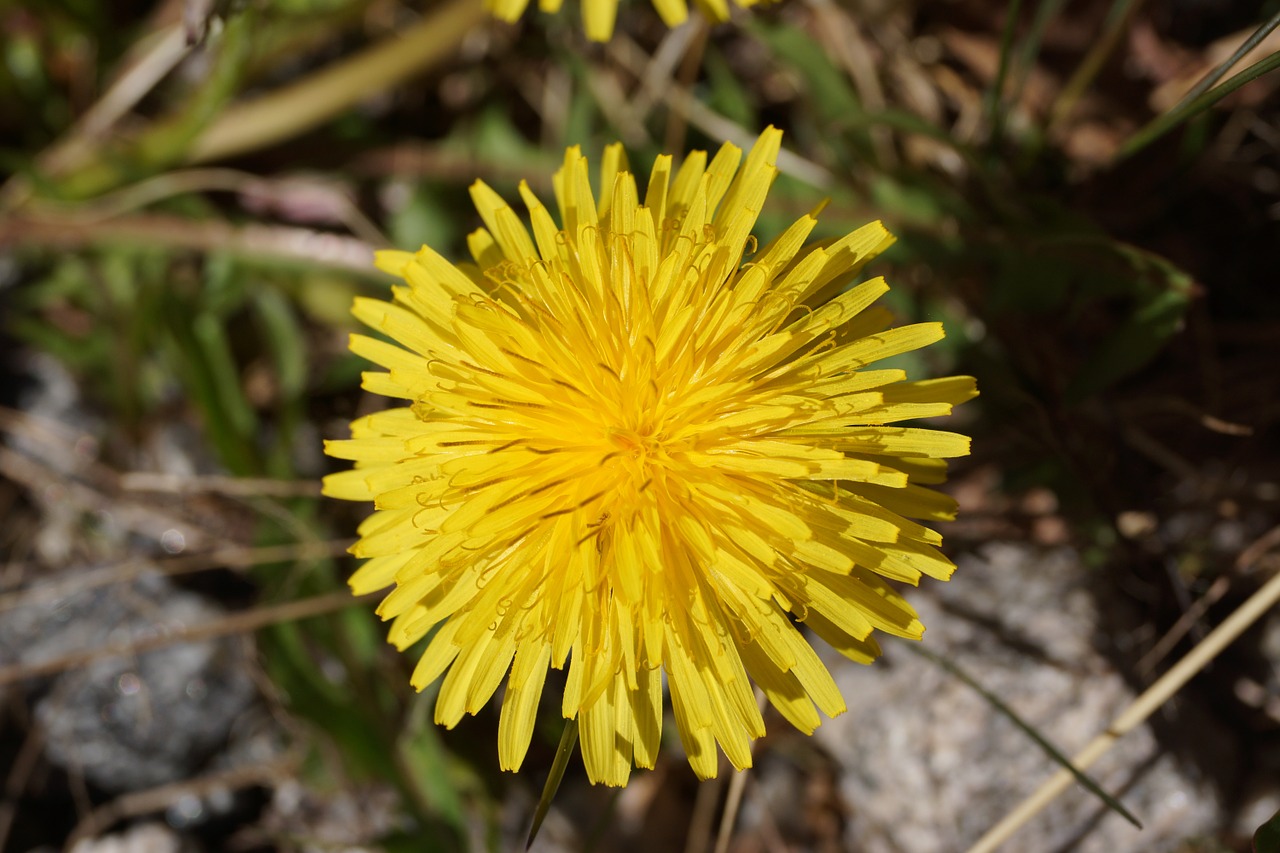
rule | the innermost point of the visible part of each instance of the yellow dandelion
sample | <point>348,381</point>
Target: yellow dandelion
<point>631,452</point>
<point>598,16</point>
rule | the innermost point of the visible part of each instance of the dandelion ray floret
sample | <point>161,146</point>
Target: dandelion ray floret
<point>599,16</point>
<point>635,444</point>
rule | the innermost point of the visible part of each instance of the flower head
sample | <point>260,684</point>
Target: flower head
<point>630,452</point>
<point>598,16</point>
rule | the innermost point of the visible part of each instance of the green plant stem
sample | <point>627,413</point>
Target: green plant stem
<point>1029,47</point>
<point>1028,53</point>
<point>568,741</point>
<point>1167,122</point>
<point>301,106</point>
<point>1240,53</point>
<point>1117,21</point>
<point>995,95</point>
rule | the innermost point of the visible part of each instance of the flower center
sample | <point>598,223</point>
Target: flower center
<point>636,444</point>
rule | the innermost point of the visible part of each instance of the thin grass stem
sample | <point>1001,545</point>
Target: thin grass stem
<point>1167,122</point>
<point>1112,29</point>
<point>995,94</point>
<point>1141,708</point>
<point>733,803</point>
<point>1031,732</point>
<point>1240,53</point>
<point>236,623</point>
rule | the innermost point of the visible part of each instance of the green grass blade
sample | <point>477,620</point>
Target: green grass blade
<point>1167,122</point>
<point>1049,749</point>
<point>215,346</point>
<point>568,741</point>
<point>995,94</point>
<point>1115,25</point>
<point>284,338</point>
<point>1241,52</point>
<point>1029,44</point>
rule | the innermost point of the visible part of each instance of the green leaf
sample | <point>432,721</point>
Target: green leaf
<point>1162,294</point>
<point>1267,838</point>
<point>1131,346</point>
<point>284,338</point>
<point>429,216</point>
<point>329,706</point>
<point>210,387</point>
<point>225,284</point>
<point>1030,41</point>
<point>327,298</point>
<point>907,201</point>
<point>728,96</point>
<point>1258,36</point>
<point>237,414</point>
<point>830,92</point>
<point>429,765</point>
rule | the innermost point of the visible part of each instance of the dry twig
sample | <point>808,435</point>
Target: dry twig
<point>1138,711</point>
<point>236,623</point>
<point>157,799</point>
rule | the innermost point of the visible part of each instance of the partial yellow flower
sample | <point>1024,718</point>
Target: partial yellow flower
<point>630,451</point>
<point>598,16</point>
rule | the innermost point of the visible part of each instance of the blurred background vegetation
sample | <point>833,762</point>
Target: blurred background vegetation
<point>191,193</point>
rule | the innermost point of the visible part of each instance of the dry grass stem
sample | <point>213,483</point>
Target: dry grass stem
<point>1246,561</point>
<point>1141,708</point>
<point>149,521</point>
<point>1265,543</point>
<point>1093,63</point>
<point>222,558</point>
<point>843,38</point>
<point>733,802</point>
<point>271,242</point>
<point>236,623</point>
<point>682,102</point>
<point>19,772</point>
<point>660,69</point>
<point>179,484</point>
<point>416,160</point>
<point>277,191</point>
<point>156,56</point>
<point>301,106</point>
<point>1186,621</point>
<point>610,97</point>
<point>159,798</point>
<point>737,785</point>
<point>702,820</point>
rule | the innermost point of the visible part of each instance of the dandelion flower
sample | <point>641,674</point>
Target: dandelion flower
<point>631,452</point>
<point>598,16</point>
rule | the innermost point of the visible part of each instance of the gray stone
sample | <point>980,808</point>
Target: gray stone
<point>143,838</point>
<point>929,765</point>
<point>131,722</point>
<point>349,819</point>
